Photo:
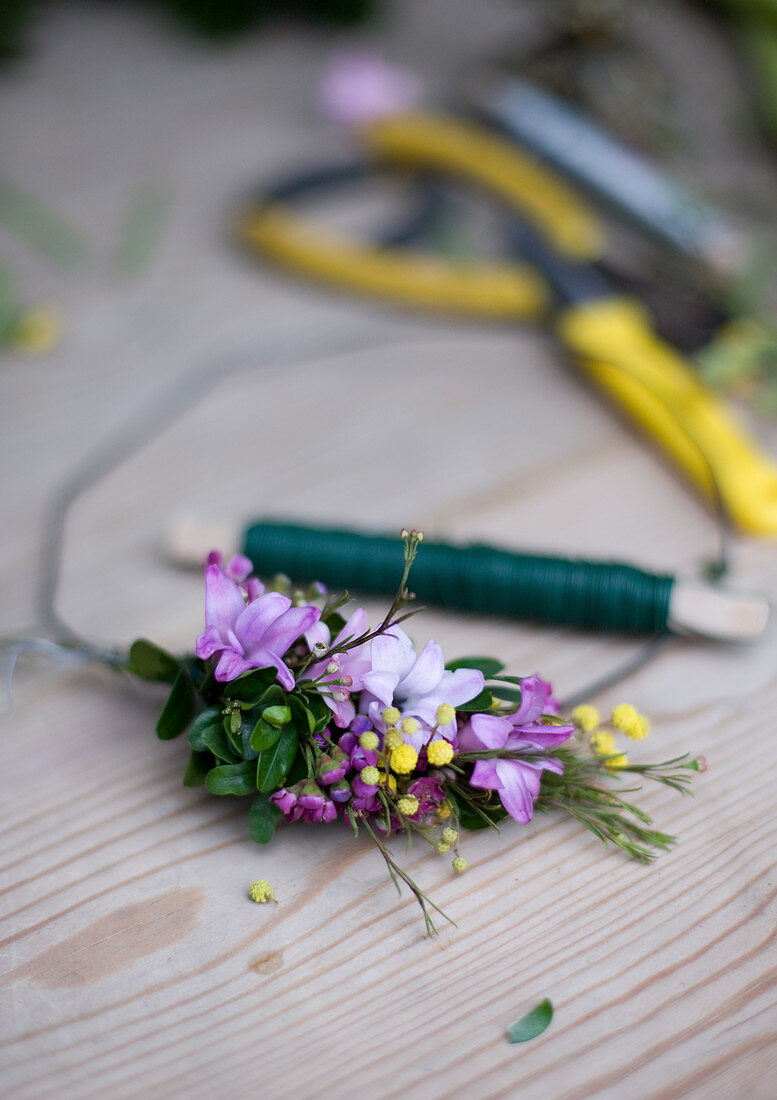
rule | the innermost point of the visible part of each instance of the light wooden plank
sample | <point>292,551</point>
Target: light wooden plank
<point>131,961</point>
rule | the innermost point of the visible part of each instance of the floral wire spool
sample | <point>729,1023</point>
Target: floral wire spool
<point>320,719</point>
<point>596,595</point>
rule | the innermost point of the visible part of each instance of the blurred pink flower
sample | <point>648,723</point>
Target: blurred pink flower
<point>360,86</point>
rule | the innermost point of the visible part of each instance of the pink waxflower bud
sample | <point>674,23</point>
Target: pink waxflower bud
<point>286,800</point>
<point>368,804</point>
<point>332,767</point>
<point>311,796</point>
<point>340,791</point>
<point>363,758</point>
<point>362,789</point>
<point>348,742</point>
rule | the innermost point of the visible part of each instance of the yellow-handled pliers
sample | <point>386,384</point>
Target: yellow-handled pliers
<point>612,338</point>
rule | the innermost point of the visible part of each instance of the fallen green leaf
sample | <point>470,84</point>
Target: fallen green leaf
<point>532,1024</point>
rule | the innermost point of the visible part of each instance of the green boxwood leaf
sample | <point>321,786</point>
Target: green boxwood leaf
<point>262,819</point>
<point>272,765</point>
<point>489,666</point>
<point>215,738</point>
<point>246,749</point>
<point>532,1024</point>
<point>303,718</point>
<point>178,711</point>
<point>200,763</point>
<point>508,694</point>
<point>152,663</point>
<point>209,717</point>
<point>335,621</point>
<point>251,685</point>
<point>278,716</point>
<point>264,736</point>
<point>480,702</point>
<point>321,713</point>
<point>274,694</point>
<point>297,771</point>
<point>472,820</point>
<point>232,778</point>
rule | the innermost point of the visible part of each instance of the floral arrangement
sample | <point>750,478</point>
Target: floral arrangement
<point>320,719</point>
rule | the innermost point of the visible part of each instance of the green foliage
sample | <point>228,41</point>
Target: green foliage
<point>489,666</point>
<point>278,716</point>
<point>532,1024</point>
<point>232,779</point>
<point>273,764</point>
<point>178,711</point>
<point>580,792</point>
<point>215,738</point>
<point>482,701</point>
<point>200,763</point>
<point>253,686</point>
<point>264,736</point>
<point>475,816</point>
<point>151,662</point>
<point>335,621</point>
<point>203,721</point>
<point>262,819</point>
<point>475,809</point>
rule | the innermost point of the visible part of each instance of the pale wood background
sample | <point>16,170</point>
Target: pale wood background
<point>132,962</point>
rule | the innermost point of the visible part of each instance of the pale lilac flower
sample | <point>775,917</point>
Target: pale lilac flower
<point>359,87</point>
<point>348,666</point>
<point>416,684</point>
<point>253,635</point>
<point>516,781</point>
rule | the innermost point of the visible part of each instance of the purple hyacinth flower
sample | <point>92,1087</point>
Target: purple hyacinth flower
<point>253,635</point>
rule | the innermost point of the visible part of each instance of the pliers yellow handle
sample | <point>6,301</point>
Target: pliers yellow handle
<point>611,338</point>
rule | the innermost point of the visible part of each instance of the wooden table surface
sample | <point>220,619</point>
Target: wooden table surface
<point>132,962</point>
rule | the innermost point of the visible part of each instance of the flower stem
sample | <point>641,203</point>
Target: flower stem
<point>395,871</point>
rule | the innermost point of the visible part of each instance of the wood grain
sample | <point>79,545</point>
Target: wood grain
<point>131,961</point>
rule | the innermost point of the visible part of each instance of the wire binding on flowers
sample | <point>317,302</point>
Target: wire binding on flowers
<point>322,719</point>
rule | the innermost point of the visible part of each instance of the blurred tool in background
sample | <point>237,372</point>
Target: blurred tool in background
<point>555,236</point>
<point>615,62</point>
